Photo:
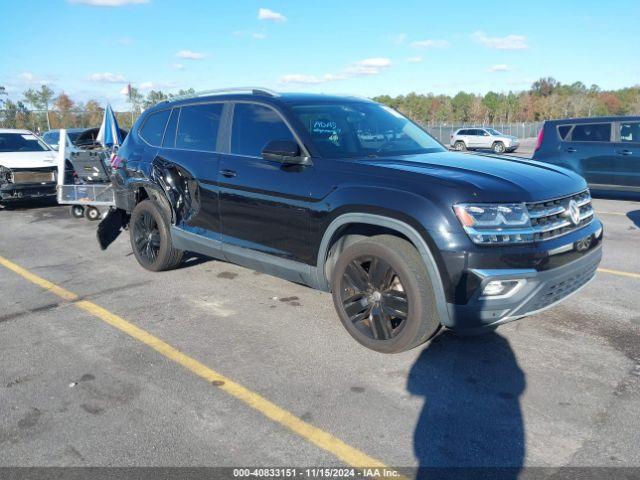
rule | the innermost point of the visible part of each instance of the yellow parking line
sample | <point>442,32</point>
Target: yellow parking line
<point>619,272</point>
<point>346,453</point>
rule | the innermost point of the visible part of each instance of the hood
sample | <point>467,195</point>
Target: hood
<point>28,159</point>
<point>488,178</point>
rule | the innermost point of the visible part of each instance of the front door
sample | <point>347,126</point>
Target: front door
<point>264,205</point>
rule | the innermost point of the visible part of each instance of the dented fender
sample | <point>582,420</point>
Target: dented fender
<point>180,189</point>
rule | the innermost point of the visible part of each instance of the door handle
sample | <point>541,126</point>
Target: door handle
<point>625,152</point>
<point>228,173</point>
<point>572,150</point>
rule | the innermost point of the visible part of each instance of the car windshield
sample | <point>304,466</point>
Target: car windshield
<point>493,132</point>
<point>363,130</point>
<point>21,142</point>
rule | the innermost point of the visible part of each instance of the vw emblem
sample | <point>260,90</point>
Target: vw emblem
<point>574,212</point>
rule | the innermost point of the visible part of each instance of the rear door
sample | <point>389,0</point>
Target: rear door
<point>189,154</point>
<point>473,138</point>
<point>626,171</point>
<point>484,139</point>
<point>589,151</point>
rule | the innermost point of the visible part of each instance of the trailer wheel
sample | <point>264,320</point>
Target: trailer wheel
<point>76,211</point>
<point>92,213</point>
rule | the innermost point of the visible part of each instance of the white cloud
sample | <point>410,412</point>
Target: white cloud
<point>107,77</point>
<point>399,38</point>
<point>109,3</point>
<point>368,66</point>
<point>124,91</point>
<point>246,33</point>
<point>415,59</point>
<point>178,66</point>
<point>189,55</point>
<point>430,44</point>
<point>29,78</point>
<point>259,35</point>
<point>266,14</point>
<point>501,67</point>
<point>510,42</point>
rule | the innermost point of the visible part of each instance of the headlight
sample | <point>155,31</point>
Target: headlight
<point>495,223</point>
<point>6,176</point>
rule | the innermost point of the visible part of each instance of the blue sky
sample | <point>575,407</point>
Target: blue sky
<point>92,50</point>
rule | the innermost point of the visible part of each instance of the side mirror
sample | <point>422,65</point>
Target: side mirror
<point>285,152</point>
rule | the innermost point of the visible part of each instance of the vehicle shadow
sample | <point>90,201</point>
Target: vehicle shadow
<point>18,205</point>
<point>615,195</point>
<point>471,423</point>
<point>634,216</point>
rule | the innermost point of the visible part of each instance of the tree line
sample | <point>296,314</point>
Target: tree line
<point>546,99</point>
<point>43,109</point>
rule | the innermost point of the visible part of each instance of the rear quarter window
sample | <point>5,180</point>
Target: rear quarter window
<point>563,131</point>
<point>153,127</point>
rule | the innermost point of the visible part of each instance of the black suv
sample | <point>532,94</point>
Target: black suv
<point>604,150</point>
<point>348,196</point>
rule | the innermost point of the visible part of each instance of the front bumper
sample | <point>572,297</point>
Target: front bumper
<point>25,191</point>
<point>539,288</point>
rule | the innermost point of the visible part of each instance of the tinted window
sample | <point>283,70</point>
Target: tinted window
<point>153,127</point>
<point>51,138</point>
<point>169,139</point>
<point>21,142</point>
<point>595,132</point>
<point>198,127</point>
<point>253,127</point>
<point>630,132</point>
<point>563,131</point>
<point>462,132</point>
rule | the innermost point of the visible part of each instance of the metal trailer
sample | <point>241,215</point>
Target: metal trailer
<point>94,190</point>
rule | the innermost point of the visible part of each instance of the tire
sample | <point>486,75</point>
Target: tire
<point>92,213</point>
<point>498,147</point>
<point>391,308</point>
<point>76,211</point>
<point>459,146</point>
<point>151,238</point>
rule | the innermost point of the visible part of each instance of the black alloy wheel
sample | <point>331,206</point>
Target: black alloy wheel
<point>373,298</point>
<point>146,237</point>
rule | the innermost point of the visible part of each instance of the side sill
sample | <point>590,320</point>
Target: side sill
<point>270,264</point>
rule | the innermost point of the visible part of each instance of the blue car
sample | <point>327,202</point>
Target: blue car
<point>604,150</point>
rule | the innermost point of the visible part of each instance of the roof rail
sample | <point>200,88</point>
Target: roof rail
<point>224,91</point>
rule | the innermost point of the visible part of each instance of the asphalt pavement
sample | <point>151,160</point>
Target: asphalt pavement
<point>217,365</point>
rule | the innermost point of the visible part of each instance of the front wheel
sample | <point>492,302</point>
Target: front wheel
<point>383,294</point>
<point>459,146</point>
<point>151,238</point>
<point>498,147</point>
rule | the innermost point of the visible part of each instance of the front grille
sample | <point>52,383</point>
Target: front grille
<point>559,290</point>
<point>551,219</point>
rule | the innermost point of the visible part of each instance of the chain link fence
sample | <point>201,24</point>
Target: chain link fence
<point>443,131</point>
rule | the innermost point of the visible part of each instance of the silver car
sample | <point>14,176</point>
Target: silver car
<point>483,138</point>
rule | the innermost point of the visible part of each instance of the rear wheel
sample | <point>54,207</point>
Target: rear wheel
<point>498,147</point>
<point>383,294</point>
<point>92,213</point>
<point>459,146</point>
<point>151,238</point>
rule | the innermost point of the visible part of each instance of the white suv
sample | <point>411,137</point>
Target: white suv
<point>488,138</point>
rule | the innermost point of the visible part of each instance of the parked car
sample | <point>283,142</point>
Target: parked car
<point>52,137</point>
<point>348,196</point>
<point>82,138</point>
<point>604,150</point>
<point>483,138</point>
<point>27,166</point>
